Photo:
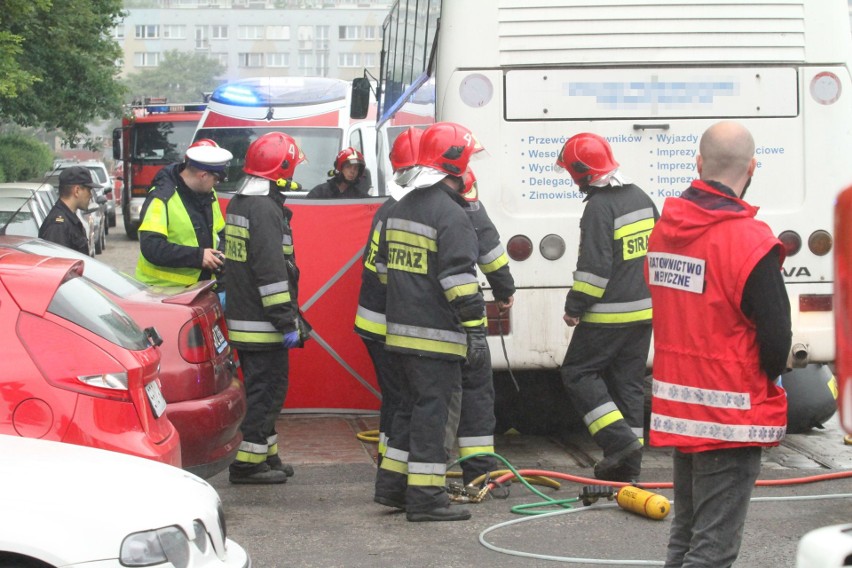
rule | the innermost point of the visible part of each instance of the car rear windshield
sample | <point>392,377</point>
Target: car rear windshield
<point>101,273</point>
<point>81,303</point>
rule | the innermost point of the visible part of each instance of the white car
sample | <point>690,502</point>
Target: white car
<point>72,506</point>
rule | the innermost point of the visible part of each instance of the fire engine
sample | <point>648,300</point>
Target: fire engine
<point>152,135</point>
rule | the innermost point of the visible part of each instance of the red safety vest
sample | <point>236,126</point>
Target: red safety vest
<point>709,391</point>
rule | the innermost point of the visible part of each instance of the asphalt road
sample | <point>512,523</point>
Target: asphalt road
<point>325,517</point>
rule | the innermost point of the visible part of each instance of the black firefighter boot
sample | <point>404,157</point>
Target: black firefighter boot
<point>260,474</point>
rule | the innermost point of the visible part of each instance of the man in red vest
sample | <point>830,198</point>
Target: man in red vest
<point>722,336</point>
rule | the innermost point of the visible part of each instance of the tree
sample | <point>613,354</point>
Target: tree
<point>180,77</point>
<point>58,63</point>
<point>23,157</point>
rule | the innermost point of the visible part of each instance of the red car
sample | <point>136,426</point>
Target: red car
<point>76,368</point>
<point>206,402</point>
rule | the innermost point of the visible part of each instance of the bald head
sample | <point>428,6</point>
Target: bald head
<point>726,155</point>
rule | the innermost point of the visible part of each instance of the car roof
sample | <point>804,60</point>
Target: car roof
<point>25,185</point>
<point>32,280</point>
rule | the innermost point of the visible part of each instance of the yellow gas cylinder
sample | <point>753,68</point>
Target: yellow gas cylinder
<point>643,502</point>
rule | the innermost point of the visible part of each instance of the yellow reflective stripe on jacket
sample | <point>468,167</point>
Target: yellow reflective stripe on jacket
<point>633,222</point>
<point>588,289</point>
<point>428,345</point>
<point>371,321</point>
<point>494,265</point>
<point>260,332</point>
<point>234,231</point>
<point>427,474</point>
<point>475,323</point>
<point>418,241</point>
<point>459,285</point>
<point>275,299</point>
<point>619,312</point>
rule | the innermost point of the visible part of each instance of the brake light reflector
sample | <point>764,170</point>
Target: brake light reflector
<point>792,242</point>
<point>816,303</point>
<point>192,343</point>
<point>498,324</point>
<point>519,247</point>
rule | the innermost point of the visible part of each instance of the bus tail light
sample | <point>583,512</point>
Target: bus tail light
<point>792,242</point>
<point>816,303</point>
<point>498,324</point>
<point>820,243</point>
<point>552,247</point>
<point>519,247</point>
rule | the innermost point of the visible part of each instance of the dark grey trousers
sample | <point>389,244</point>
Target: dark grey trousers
<point>711,496</point>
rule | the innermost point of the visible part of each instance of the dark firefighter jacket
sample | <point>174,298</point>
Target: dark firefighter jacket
<point>428,250</point>
<point>609,283</point>
<point>177,225</point>
<point>328,189</point>
<point>262,274</point>
<point>492,260</point>
<point>370,317</point>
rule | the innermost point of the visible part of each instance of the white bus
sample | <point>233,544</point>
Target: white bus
<point>650,76</point>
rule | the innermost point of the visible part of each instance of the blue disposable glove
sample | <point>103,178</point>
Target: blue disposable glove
<point>221,298</point>
<point>291,339</point>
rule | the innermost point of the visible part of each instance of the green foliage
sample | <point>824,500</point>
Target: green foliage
<point>58,63</point>
<point>180,77</point>
<point>23,158</point>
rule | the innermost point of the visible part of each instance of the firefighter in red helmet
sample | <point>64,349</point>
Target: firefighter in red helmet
<point>609,307</point>
<point>370,321</point>
<point>435,316</point>
<point>262,311</point>
<point>349,179</point>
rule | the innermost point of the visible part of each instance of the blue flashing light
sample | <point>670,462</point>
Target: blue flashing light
<point>154,109</point>
<point>281,91</point>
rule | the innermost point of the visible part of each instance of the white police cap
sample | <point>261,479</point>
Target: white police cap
<point>208,158</point>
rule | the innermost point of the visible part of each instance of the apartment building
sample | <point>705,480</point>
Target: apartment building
<point>326,38</point>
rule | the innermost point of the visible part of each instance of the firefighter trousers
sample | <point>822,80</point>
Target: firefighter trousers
<point>389,376</point>
<point>604,376</point>
<point>265,374</point>
<point>471,420</point>
<point>413,470</point>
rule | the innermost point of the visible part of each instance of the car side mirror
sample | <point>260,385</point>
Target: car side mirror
<point>116,144</point>
<point>360,104</point>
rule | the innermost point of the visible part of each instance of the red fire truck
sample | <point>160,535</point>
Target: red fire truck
<point>152,135</point>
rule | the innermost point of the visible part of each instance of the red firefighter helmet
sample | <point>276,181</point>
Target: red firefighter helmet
<point>470,191</point>
<point>273,156</point>
<point>405,149</point>
<point>587,157</point>
<point>447,147</point>
<point>349,156</point>
<point>204,142</point>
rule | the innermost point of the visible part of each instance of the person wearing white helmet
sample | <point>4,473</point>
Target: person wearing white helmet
<point>181,233</point>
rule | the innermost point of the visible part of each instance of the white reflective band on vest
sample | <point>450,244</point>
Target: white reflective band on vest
<point>704,397</point>
<point>426,468</point>
<point>413,227</point>
<point>590,278</point>
<point>744,433</point>
<point>371,316</point>
<point>237,220</point>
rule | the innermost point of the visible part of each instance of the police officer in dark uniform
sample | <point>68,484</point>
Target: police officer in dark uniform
<point>62,226</point>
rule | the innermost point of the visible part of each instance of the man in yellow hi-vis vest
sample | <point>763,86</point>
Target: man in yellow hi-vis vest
<point>180,236</point>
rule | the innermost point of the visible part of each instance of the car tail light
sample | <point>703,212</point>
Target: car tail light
<point>792,242</point>
<point>816,303</point>
<point>498,324</point>
<point>192,342</point>
<point>820,243</point>
<point>71,362</point>
<point>519,247</point>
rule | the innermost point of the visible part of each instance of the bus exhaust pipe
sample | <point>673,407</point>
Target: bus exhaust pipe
<point>800,355</point>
